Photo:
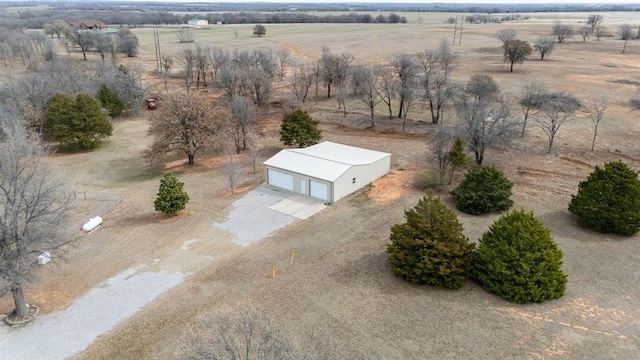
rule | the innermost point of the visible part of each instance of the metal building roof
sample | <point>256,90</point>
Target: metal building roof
<point>325,161</point>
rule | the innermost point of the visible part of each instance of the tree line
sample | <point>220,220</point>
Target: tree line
<point>35,19</point>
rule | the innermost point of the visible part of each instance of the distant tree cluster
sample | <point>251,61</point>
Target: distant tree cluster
<point>37,19</point>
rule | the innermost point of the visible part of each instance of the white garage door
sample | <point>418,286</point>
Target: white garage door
<point>280,179</point>
<point>319,190</point>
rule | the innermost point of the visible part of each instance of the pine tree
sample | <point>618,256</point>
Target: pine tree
<point>457,157</point>
<point>609,200</point>
<point>109,101</point>
<point>430,248</point>
<point>518,260</point>
<point>299,129</point>
<point>171,196</point>
<point>483,190</point>
<point>76,121</point>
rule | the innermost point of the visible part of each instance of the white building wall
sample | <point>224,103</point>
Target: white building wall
<point>363,174</point>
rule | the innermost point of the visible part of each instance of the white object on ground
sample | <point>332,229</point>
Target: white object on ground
<point>92,223</point>
<point>44,258</point>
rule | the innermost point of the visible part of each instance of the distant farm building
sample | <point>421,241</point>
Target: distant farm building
<point>327,171</point>
<point>88,24</point>
<point>198,22</point>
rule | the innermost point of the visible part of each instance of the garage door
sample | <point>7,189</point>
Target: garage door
<point>319,190</point>
<point>280,179</point>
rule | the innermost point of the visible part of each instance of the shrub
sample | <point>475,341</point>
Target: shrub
<point>428,181</point>
<point>430,248</point>
<point>635,101</point>
<point>171,196</point>
<point>299,129</point>
<point>76,120</point>
<point>609,200</point>
<point>518,260</point>
<point>483,190</point>
<point>109,101</point>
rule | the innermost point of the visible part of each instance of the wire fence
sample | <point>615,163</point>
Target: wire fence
<point>102,196</point>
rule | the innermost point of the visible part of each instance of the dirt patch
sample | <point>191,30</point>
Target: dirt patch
<point>391,187</point>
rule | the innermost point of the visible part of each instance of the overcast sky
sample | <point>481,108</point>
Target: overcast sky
<point>441,1</point>
<point>423,1</point>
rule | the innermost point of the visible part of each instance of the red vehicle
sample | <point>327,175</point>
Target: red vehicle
<point>151,104</point>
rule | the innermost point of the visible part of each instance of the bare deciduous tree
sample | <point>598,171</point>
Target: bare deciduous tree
<point>229,78</point>
<point>83,39</point>
<point>405,71</point>
<point>544,45</point>
<point>505,35</point>
<point>186,36</point>
<point>247,334</point>
<point>254,149</point>
<point>185,123</point>
<point>626,34</point>
<point>516,51</point>
<point>104,44</point>
<point>599,32</point>
<point>561,31</point>
<point>301,80</point>
<point>556,109</point>
<point>284,58</point>
<point>367,83</point>
<point>532,94</point>
<point>201,64</point>
<point>334,68</point>
<point>596,107</point>
<point>593,21</point>
<point>187,57</point>
<point>166,63</point>
<point>584,32</point>
<point>387,89</point>
<point>435,66</point>
<point>35,212</point>
<point>244,114</point>
<point>485,115</point>
<point>233,169</point>
<point>217,59</point>
<point>440,148</point>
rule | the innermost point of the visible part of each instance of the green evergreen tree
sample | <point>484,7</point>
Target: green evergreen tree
<point>430,248</point>
<point>76,122</point>
<point>457,157</point>
<point>299,129</point>
<point>518,260</point>
<point>483,190</point>
<point>109,101</point>
<point>171,196</point>
<point>609,200</point>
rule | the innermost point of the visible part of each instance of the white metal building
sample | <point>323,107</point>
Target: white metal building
<point>326,171</point>
<point>198,22</point>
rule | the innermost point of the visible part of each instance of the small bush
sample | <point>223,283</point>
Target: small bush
<point>428,181</point>
<point>430,248</point>
<point>171,196</point>
<point>518,260</point>
<point>635,101</point>
<point>483,190</point>
<point>609,200</point>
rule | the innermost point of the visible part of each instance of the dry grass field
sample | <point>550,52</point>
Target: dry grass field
<point>340,280</point>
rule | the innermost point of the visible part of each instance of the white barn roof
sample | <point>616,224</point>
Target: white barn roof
<point>324,161</point>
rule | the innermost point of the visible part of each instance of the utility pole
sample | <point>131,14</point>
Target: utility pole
<point>461,24</point>
<point>455,30</point>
